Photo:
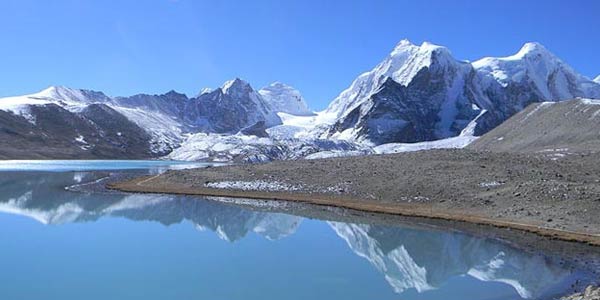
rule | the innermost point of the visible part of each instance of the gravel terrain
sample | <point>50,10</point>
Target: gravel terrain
<point>533,192</point>
<point>552,128</point>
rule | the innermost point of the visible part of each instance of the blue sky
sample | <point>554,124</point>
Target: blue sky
<point>126,47</point>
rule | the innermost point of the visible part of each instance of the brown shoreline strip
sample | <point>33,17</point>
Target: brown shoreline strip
<point>147,184</point>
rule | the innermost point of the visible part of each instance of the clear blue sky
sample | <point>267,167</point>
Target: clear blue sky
<point>125,47</point>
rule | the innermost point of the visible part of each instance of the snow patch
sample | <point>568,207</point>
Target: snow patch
<point>336,153</point>
<point>590,101</point>
<point>449,143</point>
<point>536,109</point>
<point>490,184</point>
<point>80,139</point>
<point>257,185</point>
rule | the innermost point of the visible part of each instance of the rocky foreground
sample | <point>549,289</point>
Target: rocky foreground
<point>541,193</point>
<point>590,293</point>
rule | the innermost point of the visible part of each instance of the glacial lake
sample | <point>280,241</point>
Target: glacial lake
<point>60,240</point>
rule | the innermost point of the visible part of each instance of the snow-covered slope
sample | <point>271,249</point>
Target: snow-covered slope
<point>285,99</point>
<point>421,93</point>
<point>249,148</point>
<point>400,65</point>
<point>535,65</point>
<point>416,94</point>
<point>597,79</point>
<point>70,99</point>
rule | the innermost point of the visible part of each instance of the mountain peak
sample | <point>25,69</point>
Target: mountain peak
<point>54,90</point>
<point>531,48</point>
<point>277,85</point>
<point>528,50</point>
<point>235,85</point>
<point>284,98</point>
<point>404,47</point>
<point>59,92</point>
<point>597,79</point>
<point>428,46</point>
<point>206,90</point>
<point>441,54</point>
<point>173,93</point>
<point>404,43</point>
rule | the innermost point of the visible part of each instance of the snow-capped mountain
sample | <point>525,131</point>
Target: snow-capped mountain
<point>597,79</point>
<point>540,70</point>
<point>422,93</point>
<point>285,99</point>
<point>87,124</point>
<point>84,122</point>
<point>66,123</point>
<point>229,109</point>
<point>417,94</point>
<point>533,74</point>
<point>71,99</point>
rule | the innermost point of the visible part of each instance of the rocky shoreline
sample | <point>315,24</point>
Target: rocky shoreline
<point>530,192</point>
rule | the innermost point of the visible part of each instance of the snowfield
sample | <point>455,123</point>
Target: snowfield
<point>247,148</point>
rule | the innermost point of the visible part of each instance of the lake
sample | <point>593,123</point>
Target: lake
<point>60,240</point>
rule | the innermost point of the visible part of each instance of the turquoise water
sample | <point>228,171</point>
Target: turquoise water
<point>95,165</point>
<point>59,244</point>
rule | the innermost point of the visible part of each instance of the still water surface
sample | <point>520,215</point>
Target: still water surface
<point>61,244</point>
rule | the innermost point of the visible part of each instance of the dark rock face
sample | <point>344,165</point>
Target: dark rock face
<point>114,131</point>
<point>171,103</point>
<point>428,108</point>
<point>225,110</point>
<point>230,109</point>
<point>258,129</point>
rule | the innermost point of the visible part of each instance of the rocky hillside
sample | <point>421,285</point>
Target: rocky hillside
<point>97,131</point>
<point>552,127</point>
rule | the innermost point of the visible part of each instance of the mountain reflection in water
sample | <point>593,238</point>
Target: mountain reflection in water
<point>408,258</point>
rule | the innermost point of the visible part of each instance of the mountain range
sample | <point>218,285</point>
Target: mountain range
<point>418,93</point>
